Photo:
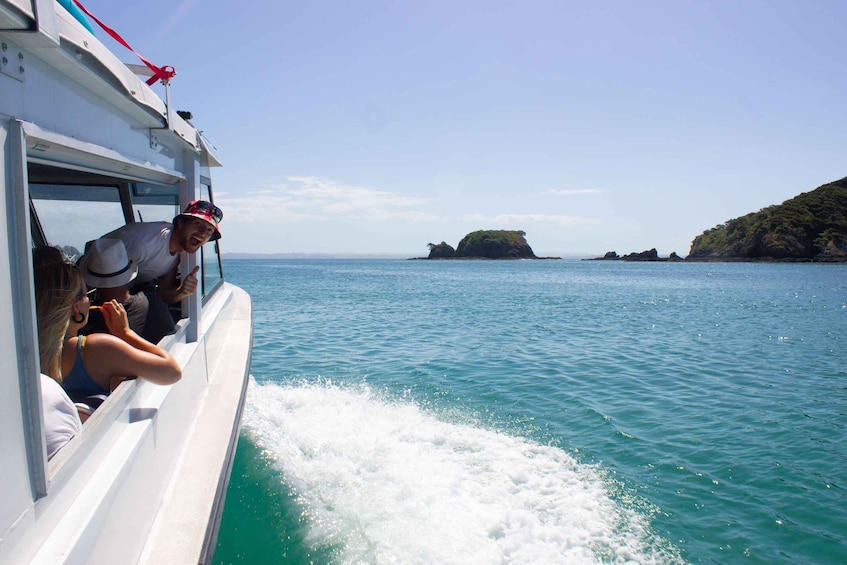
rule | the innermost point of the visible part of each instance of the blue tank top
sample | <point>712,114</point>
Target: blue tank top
<point>79,382</point>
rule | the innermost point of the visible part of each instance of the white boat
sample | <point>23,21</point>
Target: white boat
<point>88,146</point>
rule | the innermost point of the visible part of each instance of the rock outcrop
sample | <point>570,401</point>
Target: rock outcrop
<point>441,251</point>
<point>495,244</point>
<point>486,244</point>
<point>649,255</point>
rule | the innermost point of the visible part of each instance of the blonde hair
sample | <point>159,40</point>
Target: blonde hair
<point>58,285</point>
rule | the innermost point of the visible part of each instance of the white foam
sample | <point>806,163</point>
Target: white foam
<point>389,483</point>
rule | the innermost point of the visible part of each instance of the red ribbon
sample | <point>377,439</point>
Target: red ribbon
<point>165,73</point>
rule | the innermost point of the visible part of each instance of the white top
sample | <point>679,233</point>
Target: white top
<point>61,419</point>
<point>148,243</point>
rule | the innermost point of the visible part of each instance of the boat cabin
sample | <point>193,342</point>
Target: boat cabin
<point>88,146</point>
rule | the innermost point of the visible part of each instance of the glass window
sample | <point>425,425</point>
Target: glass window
<point>72,215</point>
<point>210,255</point>
<point>155,203</point>
<point>211,267</point>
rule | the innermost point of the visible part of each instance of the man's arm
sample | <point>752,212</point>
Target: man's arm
<point>171,291</point>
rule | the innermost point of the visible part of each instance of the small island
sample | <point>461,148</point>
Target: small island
<point>486,244</point>
<point>649,255</point>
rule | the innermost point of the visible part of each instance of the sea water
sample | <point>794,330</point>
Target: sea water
<point>541,412</point>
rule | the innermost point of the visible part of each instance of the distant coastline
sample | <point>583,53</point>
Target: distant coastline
<point>810,228</point>
<point>235,256</point>
<point>238,256</point>
<point>241,256</point>
<point>484,258</point>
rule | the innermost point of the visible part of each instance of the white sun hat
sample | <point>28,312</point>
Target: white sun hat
<point>106,264</point>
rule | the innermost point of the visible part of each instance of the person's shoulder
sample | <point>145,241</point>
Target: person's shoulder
<point>53,394</point>
<point>61,418</point>
<point>102,341</point>
<point>153,227</point>
<point>138,300</point>
<point>49,386</point>
<point>140,228</point>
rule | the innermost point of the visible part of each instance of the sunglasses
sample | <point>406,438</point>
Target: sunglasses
<point>207,207</point>
<point>87,293</point>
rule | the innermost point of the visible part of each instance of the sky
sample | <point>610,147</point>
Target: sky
<point>377,127</point>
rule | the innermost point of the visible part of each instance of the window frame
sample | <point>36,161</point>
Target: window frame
<point>205,290</point>
<point>23,314</point>
<point>31,144</point>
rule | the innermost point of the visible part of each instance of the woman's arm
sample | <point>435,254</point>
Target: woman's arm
<point>125,353</point>
<point>108,356</point>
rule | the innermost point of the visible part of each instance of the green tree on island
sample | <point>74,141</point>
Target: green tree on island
<point>808,227</point>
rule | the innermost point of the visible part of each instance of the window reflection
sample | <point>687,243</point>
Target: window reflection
<point>210,257</point>
<point>155,203</point>
<point>211,269</point>
<point>72,215</point>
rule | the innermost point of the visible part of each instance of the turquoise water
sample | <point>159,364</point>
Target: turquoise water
<point>541,412</point>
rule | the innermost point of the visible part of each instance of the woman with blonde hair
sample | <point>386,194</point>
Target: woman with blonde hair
<point>94,364</point>
<point>53,306</point>
<point>97,363</point>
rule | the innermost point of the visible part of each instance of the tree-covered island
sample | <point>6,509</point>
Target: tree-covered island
<point>808,227</point>
<point>486,244</point>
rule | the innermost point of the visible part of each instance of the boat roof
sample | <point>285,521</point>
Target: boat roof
<point>60,39</point>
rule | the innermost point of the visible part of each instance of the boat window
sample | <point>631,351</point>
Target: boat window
<point>69,204</point>
<point>155,203</point>
<point>210,256</point>
<point>212,277</point>
<point>72,215</point>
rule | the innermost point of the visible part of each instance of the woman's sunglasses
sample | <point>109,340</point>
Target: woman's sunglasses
<point>87,293</point>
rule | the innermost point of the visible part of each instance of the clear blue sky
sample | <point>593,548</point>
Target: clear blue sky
<point>376,127</point>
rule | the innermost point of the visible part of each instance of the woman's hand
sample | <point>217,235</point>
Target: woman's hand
<point>114,314</point>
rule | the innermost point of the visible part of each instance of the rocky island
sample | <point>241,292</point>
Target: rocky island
<point>486,244</point>
<point>649,255</point>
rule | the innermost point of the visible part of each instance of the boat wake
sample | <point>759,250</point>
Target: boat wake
<point>382,481</point>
